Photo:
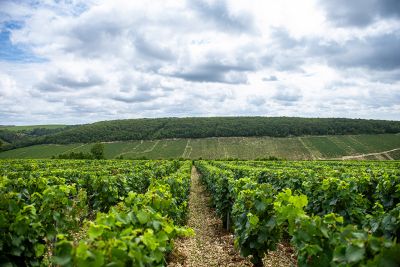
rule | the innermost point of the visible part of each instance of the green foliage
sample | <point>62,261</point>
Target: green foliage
<point>9,137</point>
<point>136,232</point>
<point>134,237</point>
<point>322,241</point>
<point>97,151</point>
<point>269,158</point>
<point>255,225</point>
<point>167,128</point>
<point>341,214</point>
<point>35,128</point>
<point>75,155</point>
<point>217,148</point>
<point>138,206</point>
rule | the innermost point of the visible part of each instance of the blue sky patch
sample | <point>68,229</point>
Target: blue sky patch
<point>14,52</point>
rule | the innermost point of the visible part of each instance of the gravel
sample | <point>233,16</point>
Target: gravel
<point>212,245</point>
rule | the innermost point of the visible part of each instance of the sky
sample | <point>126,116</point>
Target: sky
<point>80,61</point>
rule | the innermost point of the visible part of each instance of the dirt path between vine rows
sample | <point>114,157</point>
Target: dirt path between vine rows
<point>370,154</point>
<point>212,245</point>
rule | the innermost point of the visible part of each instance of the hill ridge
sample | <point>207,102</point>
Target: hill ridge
<point>197,127</point>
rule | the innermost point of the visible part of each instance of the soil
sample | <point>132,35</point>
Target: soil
<point>212,245</point>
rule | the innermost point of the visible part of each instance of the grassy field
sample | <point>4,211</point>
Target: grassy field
<point>294,148</point>
<point>31,127</point>
<point>39,151</point>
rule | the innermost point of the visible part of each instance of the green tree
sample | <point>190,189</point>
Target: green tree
<point>98,151</point>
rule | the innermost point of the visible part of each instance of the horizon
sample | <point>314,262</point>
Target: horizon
<point>255,116</point>
<point>101,60</point>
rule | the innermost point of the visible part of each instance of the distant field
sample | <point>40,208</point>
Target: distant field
<point>31,127</point>
<point>2,141</point>
<point>294,148</point>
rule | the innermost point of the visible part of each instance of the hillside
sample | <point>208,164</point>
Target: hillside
<point>167,128</point>
<point>16,128</point>
<point>373,147</point>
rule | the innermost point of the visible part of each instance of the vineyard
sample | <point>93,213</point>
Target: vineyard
<point>333,213</point>
<point>91,213</point>
<point>128,213</point>
<point>373,147</point>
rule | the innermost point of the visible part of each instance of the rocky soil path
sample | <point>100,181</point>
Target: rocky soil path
<point>212,245</point>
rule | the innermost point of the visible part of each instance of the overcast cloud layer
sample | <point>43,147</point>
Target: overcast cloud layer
<point>77,61</point>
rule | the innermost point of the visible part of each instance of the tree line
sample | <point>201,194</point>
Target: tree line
<point>96,152</point>
<point>199,127</point>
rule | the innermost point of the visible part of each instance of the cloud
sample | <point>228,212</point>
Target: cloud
<point>148,49</point>
<point>81,61</point>
<point>287,95</point>
<point>271,78</point>
<point>14,52</point>
<point>7,86</point>
<point>127,98</point>
<point>216,72</point>
<point>140,94</point>
<point>205,75</point>
<point>360,13</point>
<point>62,80</point>
<point>219,13</point>
<point>256,100</point>
<point>377,52</point>
<point>383,98</point>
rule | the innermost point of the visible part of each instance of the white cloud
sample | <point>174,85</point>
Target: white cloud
<point>7,86</point>
<point>123,59</point>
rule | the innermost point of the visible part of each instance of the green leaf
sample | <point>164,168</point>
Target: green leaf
<point>62,260</point>
<point>143,216</point>
<point>260,205</point>
<point>98,259</point>
<point>253,219</point>
<point>375,244</point>
<point>63,255</point>
<point>339,254</point>
<point>354,253</point>
<point>300,201</point>
<point>124,218</point>
<point>168,228</point>
<point>156,225</point>
<point>39,249</point>
<point>324,231</point>
<point>95,231</point>
<point>82,251</point>
<point>149,240</point>
<point>162,236</point>
<point>325,184</point>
